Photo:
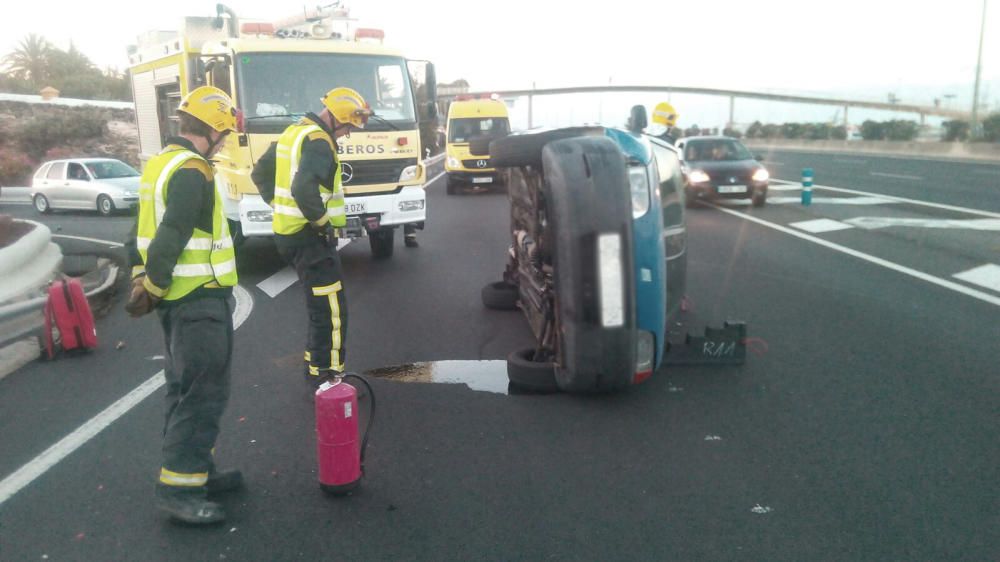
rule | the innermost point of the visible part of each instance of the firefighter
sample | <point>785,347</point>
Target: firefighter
<point>665,115</point>
<point>300,177</point>
<point>184,268</point>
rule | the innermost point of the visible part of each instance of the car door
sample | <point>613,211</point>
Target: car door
<point>56,187</point>
<point>79,187</point>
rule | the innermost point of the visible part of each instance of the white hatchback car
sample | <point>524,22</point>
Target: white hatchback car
<point>104,184</point>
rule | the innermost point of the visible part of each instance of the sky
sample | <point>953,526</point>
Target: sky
<point>861,49</point>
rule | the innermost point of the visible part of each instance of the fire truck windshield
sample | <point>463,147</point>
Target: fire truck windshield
<point>277,88</point>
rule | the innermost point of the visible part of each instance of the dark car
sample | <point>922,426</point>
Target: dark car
<point>718,167</point>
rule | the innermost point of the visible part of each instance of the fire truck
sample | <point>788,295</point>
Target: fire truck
<point>276,72</point>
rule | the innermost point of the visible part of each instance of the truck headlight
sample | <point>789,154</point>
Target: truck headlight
<point>259,216</point>
<point>638,180</point>
<point>698,176</point>
<point>408,173</point>
<point>453,162</point>
<point>761,175</point>
<point>407,206</point>
<point>610,280</point>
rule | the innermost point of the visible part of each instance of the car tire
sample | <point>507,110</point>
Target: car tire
<point>525,373</point>
<point>41,204</point>
<point>587,193</point>
<point>526,149</point>
<point>381,242</point>
<point>105,206</point>
<point>500,296</point>
<point>758,199</point>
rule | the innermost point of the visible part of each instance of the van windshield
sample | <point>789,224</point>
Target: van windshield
<point>465,129</point>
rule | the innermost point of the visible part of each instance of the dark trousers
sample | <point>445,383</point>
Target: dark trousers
<point>318,267</point>
<point>199,343</point>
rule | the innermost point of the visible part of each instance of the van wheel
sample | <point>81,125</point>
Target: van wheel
<point>451,186</point>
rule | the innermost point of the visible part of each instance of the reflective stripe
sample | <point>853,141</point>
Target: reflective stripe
<point>159,204</point>
<point>282,192</point>
<point>327,290</point>
<point>192,244</point>
<point>223,268</point>
<point>335,337</point>
<point>171,478</point>
<point>288,211</point>
<point>193,270</point>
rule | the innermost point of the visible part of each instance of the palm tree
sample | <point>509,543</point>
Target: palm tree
<point>30,60</point>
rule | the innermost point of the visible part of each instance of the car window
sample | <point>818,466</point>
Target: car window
<point>461,130</point>
<point>671,183</point>
<point>57,171</point>
<point>42,171</point>
<point>110,169</point>
<point>76,172</point>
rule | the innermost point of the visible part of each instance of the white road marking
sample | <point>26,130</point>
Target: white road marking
<point>850,160</point>
<point>815,201</point>
<point>277,283</point>
<point>86,239</point>
<point>903,200</point>
<point>820,225</point>
<point>784,187</point>
<point>872,223</point>
<point>985,297</point>
<point>435,178</point>
<point>985,276</point>
<point>286,277</point>
<point>896,176</point>
<point>37,466</point>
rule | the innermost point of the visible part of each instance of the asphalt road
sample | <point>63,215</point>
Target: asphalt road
<point>866,431</point>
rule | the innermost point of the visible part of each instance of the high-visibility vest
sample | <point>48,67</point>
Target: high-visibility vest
<point>288,218</point>
<point>208,258</point>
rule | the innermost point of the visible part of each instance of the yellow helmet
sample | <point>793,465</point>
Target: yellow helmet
<point>347,107</point>
<point>665,114</point>
<point>212,107</point>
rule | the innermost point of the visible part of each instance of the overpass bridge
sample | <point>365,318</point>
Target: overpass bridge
<point>921,110</point>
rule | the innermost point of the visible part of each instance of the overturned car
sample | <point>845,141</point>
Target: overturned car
<point>588,261</point>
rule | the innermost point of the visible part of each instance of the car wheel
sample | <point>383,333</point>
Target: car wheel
<point>759,199</point>
<point>526,150</point>
<point>526,373</point>
<point>587,194</point>
<point>381,242</point>
<point>42,204</point>
<point>500,296</point>
<point>105,206</point>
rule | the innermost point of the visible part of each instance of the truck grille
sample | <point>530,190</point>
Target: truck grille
<point>473,163</point>
<point>369,172</point>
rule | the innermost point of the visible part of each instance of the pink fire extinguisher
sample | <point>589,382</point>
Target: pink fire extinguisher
<point>338,451</point>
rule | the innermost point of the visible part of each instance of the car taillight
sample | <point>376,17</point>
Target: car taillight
<point>645,356</point>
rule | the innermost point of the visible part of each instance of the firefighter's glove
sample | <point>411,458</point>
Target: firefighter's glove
<point>140,300</point>
<point>328,233</point>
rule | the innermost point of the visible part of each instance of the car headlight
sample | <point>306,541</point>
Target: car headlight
<point>638,180</point>
<point>698,176</point>
<point>453,162</point>
<point>409,173</point>
<point>761,175</point>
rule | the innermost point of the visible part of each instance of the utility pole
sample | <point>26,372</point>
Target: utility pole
<point>974,125</point>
